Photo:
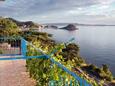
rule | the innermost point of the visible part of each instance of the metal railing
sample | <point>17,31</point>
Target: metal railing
<point>18,48</point>
<point>10,46</point>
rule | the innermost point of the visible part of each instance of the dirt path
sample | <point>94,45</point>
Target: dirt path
<point>13,73</point>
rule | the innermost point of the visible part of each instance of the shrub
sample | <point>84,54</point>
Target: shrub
<point>1,52</point>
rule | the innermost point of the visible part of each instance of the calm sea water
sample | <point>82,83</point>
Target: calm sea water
<point>97,43</point>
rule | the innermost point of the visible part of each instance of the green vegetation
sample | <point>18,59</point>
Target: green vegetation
<point>71,52</point>
<point>27,24</point>
<point>8,27</point>
<point>1,51</point>
<point>101,73</point>
<point>68,56</point>
<point>43,70</point>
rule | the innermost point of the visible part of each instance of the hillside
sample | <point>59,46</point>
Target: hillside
<point>26,24</point>
<point>8,27</point>
<point>22,26</point>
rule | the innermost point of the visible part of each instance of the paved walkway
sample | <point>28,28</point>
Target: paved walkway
<point>13,73</point>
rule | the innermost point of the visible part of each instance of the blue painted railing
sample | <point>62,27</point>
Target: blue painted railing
<point>23,50</point>
<point>23,47</point>
<point>82,82</point>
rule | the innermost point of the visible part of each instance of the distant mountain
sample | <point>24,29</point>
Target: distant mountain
<point>64,24</point>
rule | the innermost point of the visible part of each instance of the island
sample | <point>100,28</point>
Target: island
<point>70,27</point>
<point>51,26</point>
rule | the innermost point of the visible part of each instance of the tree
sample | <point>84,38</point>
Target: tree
<point>105,68</point>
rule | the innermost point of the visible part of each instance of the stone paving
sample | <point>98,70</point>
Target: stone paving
<point>13,73</point>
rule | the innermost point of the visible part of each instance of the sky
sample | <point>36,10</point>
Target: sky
<point>60,11</point>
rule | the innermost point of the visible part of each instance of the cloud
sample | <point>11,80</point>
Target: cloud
<point>105,1</point>
<point>40,6</point>
<point>54,10</point>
